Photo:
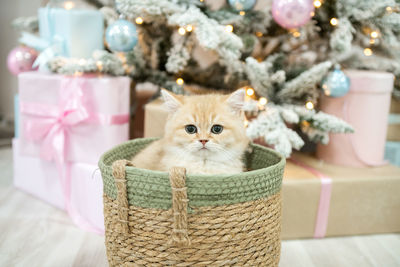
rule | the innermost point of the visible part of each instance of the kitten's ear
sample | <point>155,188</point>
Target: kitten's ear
<point>172,101</point>
<point>236,100</point>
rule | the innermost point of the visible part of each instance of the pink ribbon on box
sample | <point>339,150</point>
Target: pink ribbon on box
<point>324,199</point>
<point>50,124</point>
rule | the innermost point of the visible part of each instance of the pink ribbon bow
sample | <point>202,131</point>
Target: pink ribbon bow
<point>50,124</point>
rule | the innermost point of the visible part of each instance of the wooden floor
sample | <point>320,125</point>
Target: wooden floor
<point>33,233</point>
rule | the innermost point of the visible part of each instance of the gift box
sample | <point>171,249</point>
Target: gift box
<point>155,116</point>
<point>16,115</point>
<point>73,118</point>
<point>80,194</point>
<point>393,133</point>
<point>321,200</point>
<point>70,31</point>
<point>392,152</point>
<point>142,95</point>
<point>395,105</point>
<point>67,123</point>
<point>365,147</point>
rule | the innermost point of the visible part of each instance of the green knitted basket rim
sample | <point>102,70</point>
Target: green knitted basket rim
<point>151,189</point>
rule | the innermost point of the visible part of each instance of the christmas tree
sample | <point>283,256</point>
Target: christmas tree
<point>278,51</point>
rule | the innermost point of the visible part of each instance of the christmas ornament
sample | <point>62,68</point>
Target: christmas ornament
<point>121,36</point>
<point>336,83</point>
<point>21,59</point>
<point>292,13</point>
<point>242,5</point>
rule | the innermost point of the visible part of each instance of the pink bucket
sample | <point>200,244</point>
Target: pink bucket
<point>366,108</point>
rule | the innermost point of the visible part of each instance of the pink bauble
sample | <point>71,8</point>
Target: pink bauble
<point>21,59</point>
<point>292,13</point>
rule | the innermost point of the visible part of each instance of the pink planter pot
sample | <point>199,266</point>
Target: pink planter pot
<point>366,108</point>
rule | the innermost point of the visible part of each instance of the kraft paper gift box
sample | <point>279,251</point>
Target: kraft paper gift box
<point>155,116</point>
<point>142,94</point>
<point>41,179</point>
<point>393,133</point>
<point>88,114</point>
<point>354,200</point>
<point>362,200</point>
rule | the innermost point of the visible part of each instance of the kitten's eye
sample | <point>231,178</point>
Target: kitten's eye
<point>216,129</point>
<point>191,129</point>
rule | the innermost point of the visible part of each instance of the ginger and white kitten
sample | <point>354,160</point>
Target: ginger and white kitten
<point>204,134</point>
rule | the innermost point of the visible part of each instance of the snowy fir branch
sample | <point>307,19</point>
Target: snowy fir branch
<point>304,83</point>
<point>26,24</point>
<point>342,37</point>
<point>150,10</point>
<point>209,33</point>
<point>178,56</point>
<point>271,127</point>
<point>109,13</point>
<point>102,62</point>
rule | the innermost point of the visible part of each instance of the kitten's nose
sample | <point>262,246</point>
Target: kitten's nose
<point>203,141</point>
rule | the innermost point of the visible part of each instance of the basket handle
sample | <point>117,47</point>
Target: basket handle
<point>179,236</point>
<point>119,173</point>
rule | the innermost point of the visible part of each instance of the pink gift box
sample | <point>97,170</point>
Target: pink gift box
<point>366,108</point>
<point>41,179</point>
<point>87,114</point>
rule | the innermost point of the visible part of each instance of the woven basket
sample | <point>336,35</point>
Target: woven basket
<point>169,219</point>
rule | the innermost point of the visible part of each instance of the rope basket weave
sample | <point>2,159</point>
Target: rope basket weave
<point>171,219</point>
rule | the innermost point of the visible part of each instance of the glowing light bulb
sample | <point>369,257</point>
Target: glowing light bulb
<point>305,124</point>
<point>374,34</point>
<point>69,5</point>
<point>179,81</point>
<point>249,91</point>
<point>259,34</point>
<point>334,21</point>
<point>181,31</point>
<point>296,34</point>
<point>309,105</point>
<point>317,4</point>
<point>372,41</point>
<point>312,14</point>
<point>122,57</point>
<point>189,28</point>
<point>229,28</point>
<point>368,52</point>
<point>242,13</point>
<point>99,65</point>
<point>263,101</point>
<point>139,20</point>
<point>389,9</point>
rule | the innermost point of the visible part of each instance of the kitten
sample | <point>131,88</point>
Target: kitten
<point>204,134</point>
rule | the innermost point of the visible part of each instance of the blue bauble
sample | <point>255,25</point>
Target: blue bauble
<point>242,5</point>
<point>121,36</point>
<point>336,83</point>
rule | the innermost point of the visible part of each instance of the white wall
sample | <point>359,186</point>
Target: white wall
<point>10,9</point>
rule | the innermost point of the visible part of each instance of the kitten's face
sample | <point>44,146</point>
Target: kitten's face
<point>207,127</point>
